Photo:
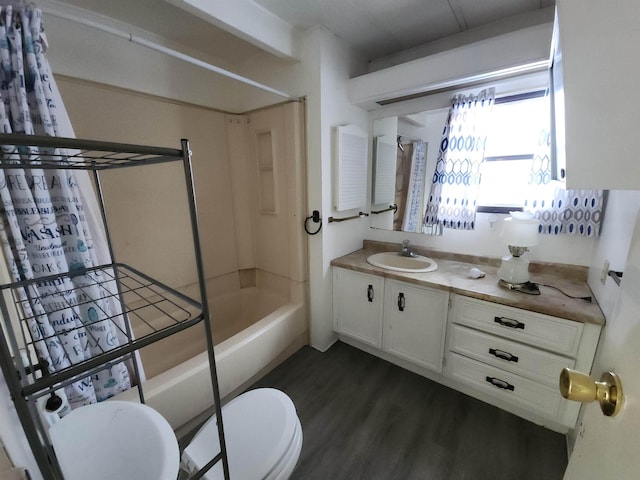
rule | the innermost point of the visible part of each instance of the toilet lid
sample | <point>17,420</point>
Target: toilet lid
<point>259,428</point>
<point>115,439</point>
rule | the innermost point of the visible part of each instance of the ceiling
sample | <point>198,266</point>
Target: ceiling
<point>377,28</point>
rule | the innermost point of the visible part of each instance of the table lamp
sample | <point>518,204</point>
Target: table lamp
<point>519,231</point>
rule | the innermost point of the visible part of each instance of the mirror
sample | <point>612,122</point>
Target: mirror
<point>405,152</point>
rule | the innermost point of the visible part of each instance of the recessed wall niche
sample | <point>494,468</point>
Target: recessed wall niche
<point>266,176</point>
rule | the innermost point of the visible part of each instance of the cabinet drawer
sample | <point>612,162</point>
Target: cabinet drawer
<point>514,357</point>
<point>551,333</point>
<point>507,387</point>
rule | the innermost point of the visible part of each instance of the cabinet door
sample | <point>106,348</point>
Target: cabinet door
<point>414,323</point>
<point>596,43</point>
<point>357,305</point>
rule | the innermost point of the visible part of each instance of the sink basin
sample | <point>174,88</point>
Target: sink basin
<point>398,263</point>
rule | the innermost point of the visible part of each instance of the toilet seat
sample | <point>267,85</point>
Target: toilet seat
<point>263,436</point>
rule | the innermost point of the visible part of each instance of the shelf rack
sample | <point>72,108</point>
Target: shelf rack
<point>151,308</point>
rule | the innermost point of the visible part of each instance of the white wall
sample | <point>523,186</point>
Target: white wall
<point>613,245</point>
<point>321,77</point>
<point>485,241</point>
<point>342,237</point>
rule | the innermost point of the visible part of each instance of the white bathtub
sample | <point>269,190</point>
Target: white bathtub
<point>271,331</point>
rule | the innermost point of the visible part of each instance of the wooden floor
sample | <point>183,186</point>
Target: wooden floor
<point>363,418</point>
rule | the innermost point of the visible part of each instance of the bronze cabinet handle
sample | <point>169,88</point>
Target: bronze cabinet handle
<point>370,293</point>
<point>496,382</point>
<point>509,322</point>
<point>509,357</point>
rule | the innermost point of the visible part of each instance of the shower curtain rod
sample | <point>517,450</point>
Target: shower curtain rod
<point>168,51</point>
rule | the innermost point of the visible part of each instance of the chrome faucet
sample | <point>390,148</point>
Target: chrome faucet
<point>406,250</point>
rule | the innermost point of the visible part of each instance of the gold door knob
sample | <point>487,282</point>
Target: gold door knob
<point>579,387</point>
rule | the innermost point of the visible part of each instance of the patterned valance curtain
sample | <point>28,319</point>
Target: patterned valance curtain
<point>44,225</point>
<point>559,210</point>
<point>454,191</point>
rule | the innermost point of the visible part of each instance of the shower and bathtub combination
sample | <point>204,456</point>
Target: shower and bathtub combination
<point>259,313</point>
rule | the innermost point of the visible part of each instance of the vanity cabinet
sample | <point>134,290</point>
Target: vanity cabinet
<point>593,85</point>
<point>513,357</point>
<point>404,320</point>
<point>458,332</point>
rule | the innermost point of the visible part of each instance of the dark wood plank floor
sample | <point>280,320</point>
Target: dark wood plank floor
<point>364,418</point>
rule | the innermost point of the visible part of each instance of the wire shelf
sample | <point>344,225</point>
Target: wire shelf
<point>154,311</point>
<point>70,311</point>
<point>31,151</point>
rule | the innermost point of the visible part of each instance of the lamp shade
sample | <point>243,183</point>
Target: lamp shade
<point>520,230</point>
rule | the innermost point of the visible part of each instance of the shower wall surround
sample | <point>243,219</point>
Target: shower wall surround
<point>245,243</point>
<point>231,154</point>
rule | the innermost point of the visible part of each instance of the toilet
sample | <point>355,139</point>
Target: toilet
<point>263,436</point>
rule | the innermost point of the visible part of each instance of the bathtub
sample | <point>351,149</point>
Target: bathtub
<point>254,330</point>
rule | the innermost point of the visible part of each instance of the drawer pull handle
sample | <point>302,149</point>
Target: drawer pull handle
<point>509,322</point>
<point>401,302</point>
<point>370,293</point>
<point>500,383</point>
<point>509,357</point>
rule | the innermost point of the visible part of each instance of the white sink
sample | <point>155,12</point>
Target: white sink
<point>394,261</point>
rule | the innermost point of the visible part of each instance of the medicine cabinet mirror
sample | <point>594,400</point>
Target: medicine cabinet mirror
<point>405,150</point>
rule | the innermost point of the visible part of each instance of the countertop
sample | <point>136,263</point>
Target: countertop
<point>453,275</point>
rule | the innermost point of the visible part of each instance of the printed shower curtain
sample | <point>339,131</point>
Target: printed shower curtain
<point>411,221</point>
<point>46,227</point>
<point>452,201</point>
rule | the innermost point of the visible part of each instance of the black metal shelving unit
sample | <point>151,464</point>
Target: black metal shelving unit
<point>151,308</point>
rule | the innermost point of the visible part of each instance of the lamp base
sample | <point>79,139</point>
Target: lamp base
<point>514,269</point>
<point>526,287</point>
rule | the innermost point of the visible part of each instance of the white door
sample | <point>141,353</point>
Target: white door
<point>607,447</point>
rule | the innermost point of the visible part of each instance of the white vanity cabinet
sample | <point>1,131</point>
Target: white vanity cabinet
<point>357,305</point>
<point>414,323</point>
<point>453,332</point>
<point>594,77</point>
<point>399,318</point>
<point>513,357</point>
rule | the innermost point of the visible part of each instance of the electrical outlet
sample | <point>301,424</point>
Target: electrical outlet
<point>605,272</point>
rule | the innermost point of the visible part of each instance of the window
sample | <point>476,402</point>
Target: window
<point>511,145</point>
